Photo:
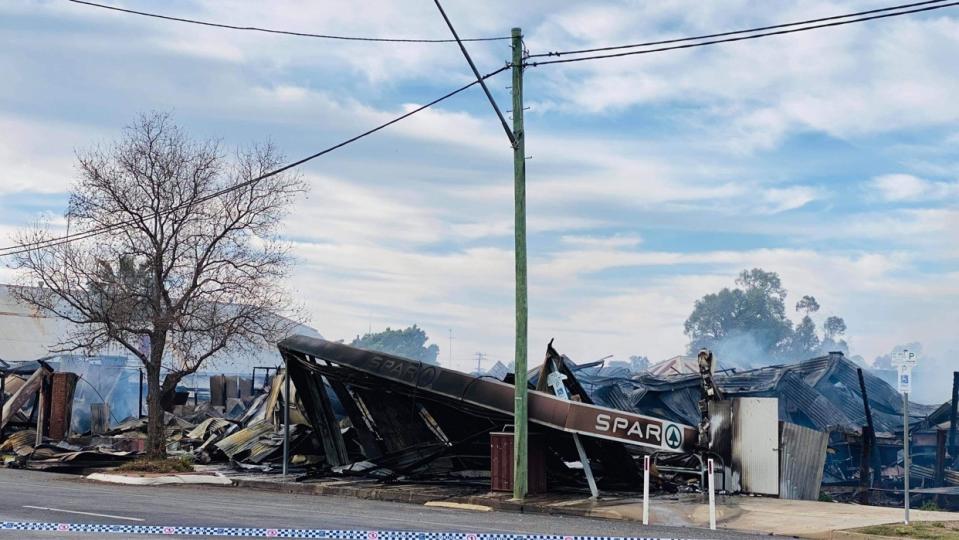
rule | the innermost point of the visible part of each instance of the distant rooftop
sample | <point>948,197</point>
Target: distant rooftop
<point>27,335</point>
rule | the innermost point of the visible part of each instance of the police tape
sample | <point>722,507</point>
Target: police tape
<point>254,532</point>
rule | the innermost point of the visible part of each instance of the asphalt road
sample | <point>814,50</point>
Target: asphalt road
<point>28,496</point>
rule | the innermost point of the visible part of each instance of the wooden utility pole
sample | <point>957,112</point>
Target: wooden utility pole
<point>516,138</point>
<point>520,435</point>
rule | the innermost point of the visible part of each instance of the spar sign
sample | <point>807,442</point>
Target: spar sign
<point>629,428</point>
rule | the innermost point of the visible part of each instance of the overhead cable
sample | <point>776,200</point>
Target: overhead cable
<point>274,31</point>
<point>736,32</point>
<point>730,39</point>
<point>51,242</point>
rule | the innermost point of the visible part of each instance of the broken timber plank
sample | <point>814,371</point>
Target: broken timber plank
<point>24,393</point>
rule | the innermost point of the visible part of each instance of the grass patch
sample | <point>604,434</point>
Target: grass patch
<point>922,529</point>
<point>177,465</point>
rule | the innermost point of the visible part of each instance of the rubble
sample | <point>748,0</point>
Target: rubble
<point>361,413</point>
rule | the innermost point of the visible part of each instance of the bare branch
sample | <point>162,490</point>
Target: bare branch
<point>193,275</point>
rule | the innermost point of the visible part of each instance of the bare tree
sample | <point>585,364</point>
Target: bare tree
<point>184,273</point>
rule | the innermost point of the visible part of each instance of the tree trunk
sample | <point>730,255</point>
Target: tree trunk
<point>168,389</point>
<point>156,431</point>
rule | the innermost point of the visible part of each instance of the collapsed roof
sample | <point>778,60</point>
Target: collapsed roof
<point>821,393</point>
<point>409,415</point>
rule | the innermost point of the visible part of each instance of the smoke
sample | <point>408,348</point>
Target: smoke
<point>102,379</point>
<point>932,377</point>
<point>931,380</point>
<point>740,350</point>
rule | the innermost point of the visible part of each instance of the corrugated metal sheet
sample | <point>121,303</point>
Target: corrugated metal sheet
<point>756,444</point>
<point>677,365</point>
<point>802,456</point>
<point>806,406</point>
<point>245,439</point>
<point>612,396</point>
<point>720,442</point>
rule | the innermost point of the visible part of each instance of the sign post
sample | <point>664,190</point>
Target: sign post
<point>905,360</point>
<point>555,381</point>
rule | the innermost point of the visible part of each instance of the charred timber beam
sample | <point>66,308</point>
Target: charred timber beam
<point>864,474</point>
<point>940,457</point>
<point>952,414</point>
<point>872,456</point>
<point>19,398</point>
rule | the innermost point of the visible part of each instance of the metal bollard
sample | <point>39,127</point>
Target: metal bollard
<point>712,497</point>
<point>645,490</point>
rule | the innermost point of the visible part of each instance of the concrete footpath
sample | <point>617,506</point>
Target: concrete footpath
<point>808,519</point>
<point>159,479</point>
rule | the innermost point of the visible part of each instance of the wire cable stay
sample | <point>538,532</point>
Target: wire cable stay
<point>51,242</point>
<point>834,23</point>
<point>469,60</point>
<point>274,31</point>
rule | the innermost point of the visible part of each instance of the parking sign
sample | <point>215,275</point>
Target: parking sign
<point>905,380</point>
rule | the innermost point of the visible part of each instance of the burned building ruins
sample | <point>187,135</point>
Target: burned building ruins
<point>821,426</point>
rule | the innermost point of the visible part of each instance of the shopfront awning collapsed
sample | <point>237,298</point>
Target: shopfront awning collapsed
<point>418,418</point>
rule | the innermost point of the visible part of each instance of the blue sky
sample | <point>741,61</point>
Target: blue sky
<point>829,157</point>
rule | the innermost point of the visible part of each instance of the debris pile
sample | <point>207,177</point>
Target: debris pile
<point>412,421</point>
<point>244,429</point>
<point>827,424</point>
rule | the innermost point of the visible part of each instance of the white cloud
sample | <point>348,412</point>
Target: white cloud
<point>848,82</point>
<point>470,290</point>
<point>602,242</point>
<point>778,200</point>
<point>415,224</point>
<point>37,156</point>
<point>909,188</point>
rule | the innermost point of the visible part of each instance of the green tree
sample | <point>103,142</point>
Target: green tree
<point>833,330</point>
<point>807,304</point>
<point>748,323</point>
<point>756,308</point>
<point>408,343</point>
<point>805,341</point>
<point>639,363</point>
<point>834,327</point>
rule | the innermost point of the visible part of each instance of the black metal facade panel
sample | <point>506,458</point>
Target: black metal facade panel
<point>397,422</point>
<point>362,422</point>
<point>311,392</point>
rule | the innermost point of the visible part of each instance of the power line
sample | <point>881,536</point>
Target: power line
<point>51,242</point>
<point>741,38</point>
<point>736,32</point>
<point>274,31</point>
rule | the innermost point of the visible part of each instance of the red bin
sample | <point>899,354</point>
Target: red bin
<point>501,463</point>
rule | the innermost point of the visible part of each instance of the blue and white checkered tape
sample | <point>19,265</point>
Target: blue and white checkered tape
<point>253,532</point>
